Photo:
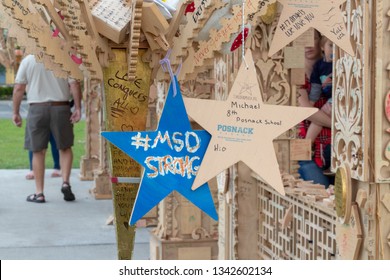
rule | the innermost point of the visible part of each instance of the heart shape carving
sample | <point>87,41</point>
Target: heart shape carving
<point>127,127</point>
<point>134,110</point>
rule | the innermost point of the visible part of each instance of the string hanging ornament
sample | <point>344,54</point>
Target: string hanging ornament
<point>243,34</point>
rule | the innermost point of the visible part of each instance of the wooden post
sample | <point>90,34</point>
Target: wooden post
<point>90,161</point>
<point>103,186</point>
<point>126,106</point>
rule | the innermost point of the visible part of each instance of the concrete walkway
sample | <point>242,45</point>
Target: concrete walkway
<point>58,230</point>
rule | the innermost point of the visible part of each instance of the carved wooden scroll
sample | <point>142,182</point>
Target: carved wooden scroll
<point>351,97</point>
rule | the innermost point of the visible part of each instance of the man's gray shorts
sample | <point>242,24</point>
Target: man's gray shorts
<point>43,118</point>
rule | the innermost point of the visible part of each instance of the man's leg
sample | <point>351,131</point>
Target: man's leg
<point>62,130</point>
<point>39,170</point>
<point>66,158</point>
<point>55,153</point>
<point>36,139</point>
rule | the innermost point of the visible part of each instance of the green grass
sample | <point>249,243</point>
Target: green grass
<point>14,156</point>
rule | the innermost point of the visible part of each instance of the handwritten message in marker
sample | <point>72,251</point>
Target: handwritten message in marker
<point>171,157</point>
<point>300,15</point>
<point>243,128</point>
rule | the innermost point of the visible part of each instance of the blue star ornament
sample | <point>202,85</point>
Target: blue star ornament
<point>171,156</point>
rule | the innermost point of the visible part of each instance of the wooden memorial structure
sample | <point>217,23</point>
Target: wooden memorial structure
<point>115,47</point>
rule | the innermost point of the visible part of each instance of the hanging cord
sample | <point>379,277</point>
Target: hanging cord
<point>166,66</point>
<point>243,34</point>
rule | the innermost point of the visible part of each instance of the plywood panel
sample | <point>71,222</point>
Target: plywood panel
<point>191,253</point>
<point>126,106</point>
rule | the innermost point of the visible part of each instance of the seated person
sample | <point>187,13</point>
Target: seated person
<point>312,170</point>
<point>321,83</point>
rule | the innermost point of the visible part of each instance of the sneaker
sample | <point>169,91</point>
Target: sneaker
<point>67,191</point>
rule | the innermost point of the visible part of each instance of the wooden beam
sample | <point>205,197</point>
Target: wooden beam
<point>125,112</point>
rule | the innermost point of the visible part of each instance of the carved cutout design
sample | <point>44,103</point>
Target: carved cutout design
<point>135,32</point>
<point>86,46</point>
<point>351,97</point>
<point>57,49</point>
<point>190,29</point>
<point>272,74</point>
<point>382,165</point>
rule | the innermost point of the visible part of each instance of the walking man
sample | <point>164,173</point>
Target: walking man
<point>49,111</point>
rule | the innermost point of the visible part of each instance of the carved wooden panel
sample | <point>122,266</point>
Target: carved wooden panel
<point>231,25</point>
<point>135,30</point>
<point>15,31</point>
<point>235,187</point>
<point>382,92</point>
<point>310,234</point>
<point>221,92</point>
<point>180,219</point>
<point>188,31</point>
<point>85,46</point>
<point>24,40</point>
<point>38,29</point>
<point>247,214</point>
<point>112,18</point>
<point>384,225</point>
<point>272,74</point>
<point>60,34</point>
<point>92,96</point>
<point>352,94</point>
<point>161,249</point>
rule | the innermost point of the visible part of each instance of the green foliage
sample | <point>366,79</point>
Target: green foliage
<point>6,92</point>
<point>14,156</point>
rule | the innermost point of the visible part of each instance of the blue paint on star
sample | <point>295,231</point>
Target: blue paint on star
<point>171,156</point>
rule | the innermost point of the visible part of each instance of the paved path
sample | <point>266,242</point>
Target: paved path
<point>57,229</point>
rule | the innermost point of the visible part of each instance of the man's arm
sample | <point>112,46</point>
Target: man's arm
<point>75,89</point>
<point>17,97</point>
